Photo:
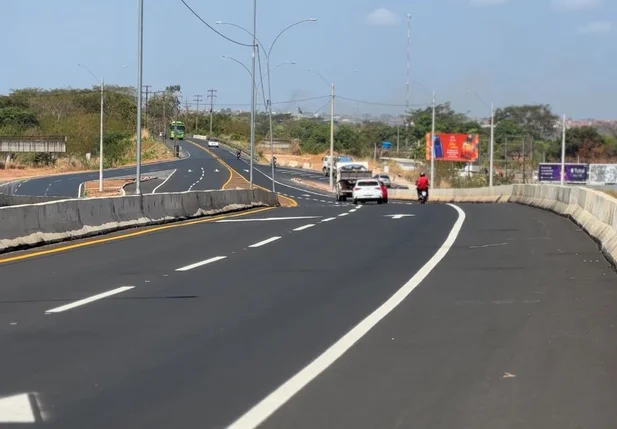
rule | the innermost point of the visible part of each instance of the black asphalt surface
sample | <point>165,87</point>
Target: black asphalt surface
<point>522,294</point>
<point>200,171</point>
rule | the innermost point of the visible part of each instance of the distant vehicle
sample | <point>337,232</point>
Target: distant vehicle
<point>346,176</point>
<point>176,130</point>
<point>367,190</point>
<point>325,163</point>
<point>384,178</point>
<point>213,142</point>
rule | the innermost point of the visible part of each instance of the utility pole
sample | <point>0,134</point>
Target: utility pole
<point>331,160</point>
<point>198,98</point>
<point>563,152</point>
<point>186,106</point>
<point>408,80</point>
<point>147,88</point>
<point>140,63</point>
<point>211,96</point>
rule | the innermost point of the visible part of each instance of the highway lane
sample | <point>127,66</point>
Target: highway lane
<point>197,172</point>
<point>262,177</point>
<point>513,328</point>
<point>236,327</point>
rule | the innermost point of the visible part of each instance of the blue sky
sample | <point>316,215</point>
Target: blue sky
<point>559,52</point>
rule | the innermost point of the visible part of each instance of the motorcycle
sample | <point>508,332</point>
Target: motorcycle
<point>423,197</point>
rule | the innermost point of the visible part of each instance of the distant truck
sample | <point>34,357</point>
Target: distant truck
<point>325,163</point>
<point>347,174</point>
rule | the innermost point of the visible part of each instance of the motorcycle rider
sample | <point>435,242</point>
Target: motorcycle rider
<point>238,154</point>
<point>422,184</point>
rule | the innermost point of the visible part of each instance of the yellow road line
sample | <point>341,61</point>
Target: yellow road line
<point>126,235</point>
<point>236,180</point>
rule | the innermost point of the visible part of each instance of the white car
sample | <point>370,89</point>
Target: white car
<point>367,190</point>
<point>212,142</point>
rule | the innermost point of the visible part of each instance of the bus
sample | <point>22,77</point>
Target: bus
<point>176,127</point>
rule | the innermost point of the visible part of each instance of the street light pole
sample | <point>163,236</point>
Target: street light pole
<point>102,85</point>
<point>269,102</point>
<point>101,137</point>
<point>433,144</point>
<point>331,168</point>
<point>492,144</point>
<point>253,92</point>
<point>563,152</point>
<point>140,61</point>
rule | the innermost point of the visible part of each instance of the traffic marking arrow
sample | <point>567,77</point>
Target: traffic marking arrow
<point>399,216</point>
<point>16,409</point>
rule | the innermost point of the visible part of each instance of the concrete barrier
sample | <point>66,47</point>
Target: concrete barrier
<point>498,194</point>
<point>594,211</point>
<point>16,200</point>
<point>35,224</point>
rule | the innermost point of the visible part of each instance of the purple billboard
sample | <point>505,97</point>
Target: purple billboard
<point>574,173</point>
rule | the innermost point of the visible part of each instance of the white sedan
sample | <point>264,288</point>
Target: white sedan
<point>367,190</point>
<point>213,143</point>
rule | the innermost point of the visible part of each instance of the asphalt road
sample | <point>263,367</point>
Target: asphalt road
<point>514,327</point>
<point>199,171</point>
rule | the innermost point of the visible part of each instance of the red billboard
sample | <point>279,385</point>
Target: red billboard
<point>454,147</point>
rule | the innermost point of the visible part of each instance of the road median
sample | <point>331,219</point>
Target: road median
<point>32,225</point>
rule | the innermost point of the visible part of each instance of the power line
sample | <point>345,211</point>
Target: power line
<point>376,103</point>
<point>212,28</point>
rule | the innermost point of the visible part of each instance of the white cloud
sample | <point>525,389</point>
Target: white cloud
<point>596,27</point>
<point>576,4</point>
<point>487,2</point>
<point>382,17</point>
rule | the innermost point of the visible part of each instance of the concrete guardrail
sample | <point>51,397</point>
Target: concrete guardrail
<point>43,223</point>
<point>594,211</point>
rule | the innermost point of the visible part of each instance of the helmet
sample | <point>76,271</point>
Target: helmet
<point>422,174</point>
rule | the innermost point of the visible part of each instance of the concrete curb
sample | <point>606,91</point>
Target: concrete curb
<point>33,225</point>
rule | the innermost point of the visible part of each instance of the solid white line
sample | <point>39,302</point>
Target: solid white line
<point>89,299</point>
<point>79,190</point>
<point>302,228</point>
<point>329,219</point>
<point>261,243</point>
<point>199,264</point>
<point>264,409</point>
<point>164,181</point>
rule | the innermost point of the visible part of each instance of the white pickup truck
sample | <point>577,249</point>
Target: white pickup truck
<point>347,174</point>
<point>325,163</point>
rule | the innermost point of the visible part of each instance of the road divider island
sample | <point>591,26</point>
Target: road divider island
<point>28,225</point>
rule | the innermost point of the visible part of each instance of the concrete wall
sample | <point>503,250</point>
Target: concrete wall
<point>34,224</point>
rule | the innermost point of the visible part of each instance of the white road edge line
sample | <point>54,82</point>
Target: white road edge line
<point>89,299</point>
<point>79,190</point>
<point>262,243</point>
<point>264,409</point>
<point>302,228</point>
<point>199,264</point>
